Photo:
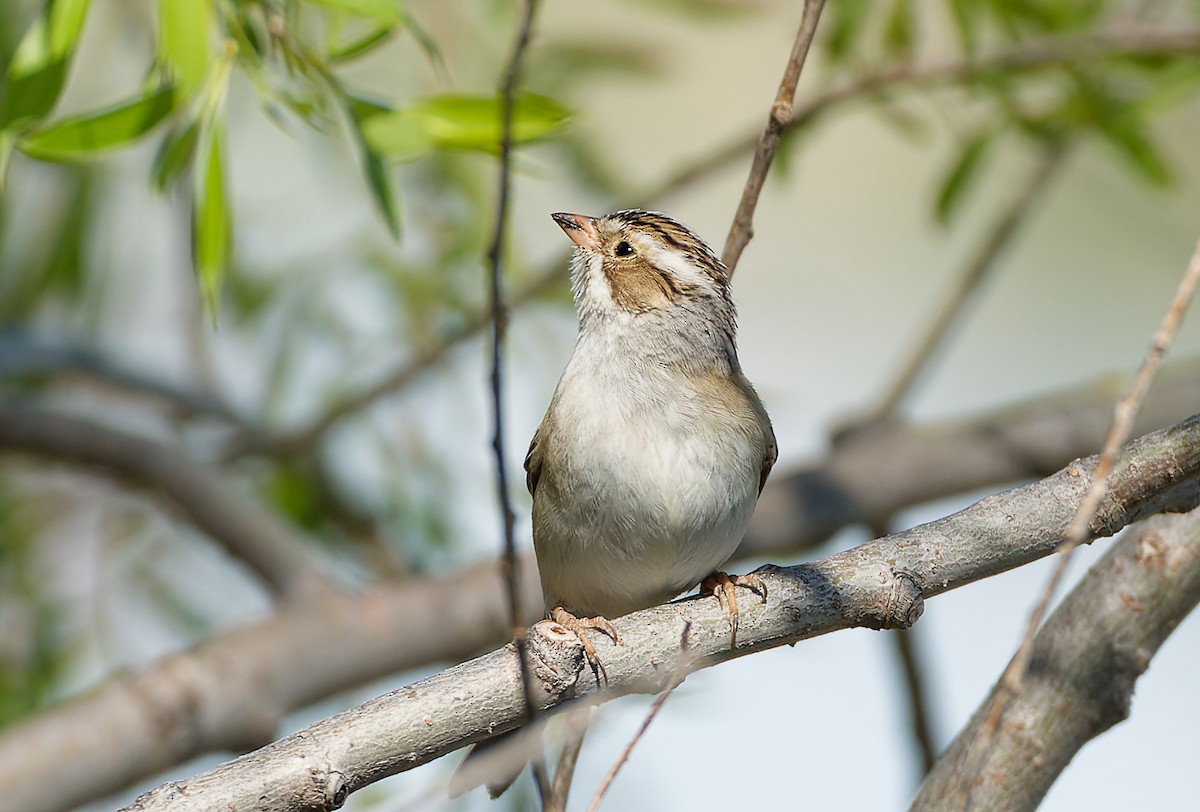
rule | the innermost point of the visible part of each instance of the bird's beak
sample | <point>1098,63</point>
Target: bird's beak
<point>580,228</point>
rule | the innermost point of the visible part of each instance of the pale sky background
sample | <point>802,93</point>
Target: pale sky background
<point>846,265</point>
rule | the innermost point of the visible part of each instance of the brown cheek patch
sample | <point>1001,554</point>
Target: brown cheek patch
<point>637,286</point>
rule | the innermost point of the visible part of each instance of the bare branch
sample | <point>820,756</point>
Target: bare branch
<point>1125,412</point>
<point>879,585</point>
<point>1085,662</point>
<point>273,550</point>
<point>998,238</point>
<point>780,116</point>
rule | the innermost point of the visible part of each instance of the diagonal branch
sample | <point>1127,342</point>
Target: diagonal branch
<point>276,552</point>
<point>881,584</point>
<point>1086,660</point>
<point>780,116</point>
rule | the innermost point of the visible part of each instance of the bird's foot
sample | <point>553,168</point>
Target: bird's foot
<point>581,626</point>
<point>724,586</point>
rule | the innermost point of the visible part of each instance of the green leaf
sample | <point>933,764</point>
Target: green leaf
<point>362,45</point>
<point>1136,145</point>
<point>38,68</point>
<point>958,180</point>
<point>175,154</point>
<point>84,135</point>
<point>966,15</point>
<point>184,41</point>
<point>375,170</point>
<point>382,10</point>
<point>211,223</point>
<point>848,21</point>
<point>461,122</point>
<point>898,35</point>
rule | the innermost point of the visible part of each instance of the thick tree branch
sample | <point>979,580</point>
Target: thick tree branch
<point>230,693</point>
<point>879,585</point>
<point>1085,662</point>
<point>434,620</point>
<point>275,552</point>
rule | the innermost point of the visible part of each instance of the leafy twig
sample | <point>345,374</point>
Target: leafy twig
<point>780,116</point>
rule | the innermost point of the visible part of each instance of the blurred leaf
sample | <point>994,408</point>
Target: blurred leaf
<point>39,66</point>
<point>184,41</point>
<point>846,23</point>
<point>898,34</point>
<point>211,222</point>
<point>382,10</point>
<point>461,122</point>
<point>84,135</point>
<point>291,489</point>
<point>701,9</point>
<point>379,182</point>
<point>362,45</point>
<point>966,14</point>
<point>962,173</point>
<point>175,154</point>
<point>587,58</point>
<point>1133,141</point>
<point>423,38</point>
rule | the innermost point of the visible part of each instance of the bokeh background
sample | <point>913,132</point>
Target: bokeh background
<point>849,261</point>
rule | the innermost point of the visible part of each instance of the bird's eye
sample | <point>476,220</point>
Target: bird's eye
<point>624,249</point>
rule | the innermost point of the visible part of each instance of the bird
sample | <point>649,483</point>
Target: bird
<point>647,465</point>
<point>654,449</point>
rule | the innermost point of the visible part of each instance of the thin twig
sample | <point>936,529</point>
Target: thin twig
<point>977,270</point>
<point>913,669</point>
<point>681,671</point>
<point>499,317</point>
<point>1124,412</point>
<point>565,771</point>
<point>781,114</point>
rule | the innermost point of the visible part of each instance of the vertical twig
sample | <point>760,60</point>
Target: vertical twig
<point>781,115</point>
<point>1124,412</point>
<point>499,324</point>
<point>998,239</point>
<point>565,770</point>
<point>913,670</point>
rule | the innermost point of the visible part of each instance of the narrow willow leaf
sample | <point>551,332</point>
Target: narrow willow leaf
<point>461,122</point>
<point>958,180</point>
<point>185,41</point>
<point>38,68</point>
<point>175,154</point>
<point>85,135</point>
<point>375,170</point>
<point>965,14</point>
<point>383,10</point>
<point>211,223</point>
<point>1136,145</point>
<point>849,18</point>
<point>898,34</point>
<point>362,45</point>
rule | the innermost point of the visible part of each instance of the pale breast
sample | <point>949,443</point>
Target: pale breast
<point>648,482</point>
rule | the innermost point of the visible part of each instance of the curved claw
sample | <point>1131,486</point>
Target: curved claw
<point>724,587</point>
<point>581,626</point>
